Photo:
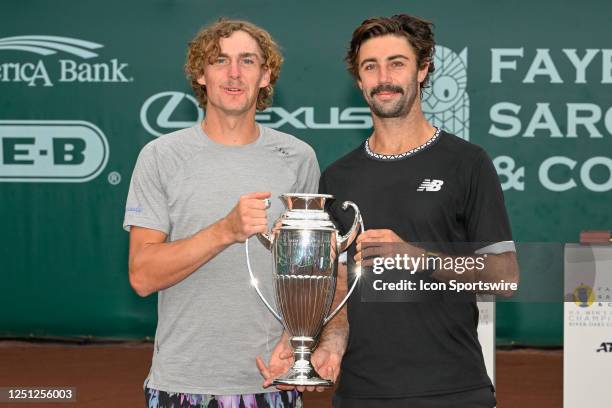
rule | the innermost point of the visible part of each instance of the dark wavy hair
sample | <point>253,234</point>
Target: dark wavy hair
<point>417,31</point>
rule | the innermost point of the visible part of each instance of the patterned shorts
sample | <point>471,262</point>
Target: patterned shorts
<point>279,399</point>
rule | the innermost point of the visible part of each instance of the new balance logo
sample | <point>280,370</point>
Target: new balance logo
<point>430,185</point>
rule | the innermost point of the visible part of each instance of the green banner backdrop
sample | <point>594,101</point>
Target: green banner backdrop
<point>85,85</point>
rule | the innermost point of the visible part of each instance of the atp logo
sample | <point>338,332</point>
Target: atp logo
<point>605,347</point>
<point>446,104</point>
<point>430,185</point>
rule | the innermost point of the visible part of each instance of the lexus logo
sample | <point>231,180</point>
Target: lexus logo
<point>159,112</point>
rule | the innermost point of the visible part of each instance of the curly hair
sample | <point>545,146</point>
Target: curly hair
<point>205,48</point>
<point>418,32</point>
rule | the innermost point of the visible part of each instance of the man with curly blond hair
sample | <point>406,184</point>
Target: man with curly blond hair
<point>195,196</point>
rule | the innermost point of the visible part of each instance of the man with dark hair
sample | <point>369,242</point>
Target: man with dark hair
<point>414,184</point>
<point>186,240</point>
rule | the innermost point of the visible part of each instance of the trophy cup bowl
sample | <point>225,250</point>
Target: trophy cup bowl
<point>305,245</point>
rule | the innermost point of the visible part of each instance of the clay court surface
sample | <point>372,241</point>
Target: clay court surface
<point>111,375</point>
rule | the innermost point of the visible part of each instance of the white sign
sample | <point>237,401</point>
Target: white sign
<point>587,337</point>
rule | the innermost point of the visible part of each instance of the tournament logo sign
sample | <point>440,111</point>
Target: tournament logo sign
<point>584,296</point>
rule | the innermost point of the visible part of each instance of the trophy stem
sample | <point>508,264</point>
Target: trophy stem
<point>302,372</point>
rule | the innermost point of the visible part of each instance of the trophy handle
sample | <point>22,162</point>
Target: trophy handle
<point>344,242</point>
<point>266,238</point>
<point>254,282</point>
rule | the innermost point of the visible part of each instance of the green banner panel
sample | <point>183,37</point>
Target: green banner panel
<point>85,85</point>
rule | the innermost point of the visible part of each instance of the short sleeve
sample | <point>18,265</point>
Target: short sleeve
<point>485,212</point>
<point>147,204</point>
<point>309,173</point>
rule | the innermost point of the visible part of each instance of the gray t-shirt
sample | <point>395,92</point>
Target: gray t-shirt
<point>212,325</point>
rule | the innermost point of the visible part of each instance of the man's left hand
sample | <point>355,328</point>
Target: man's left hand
<point>368,243</point>
<point>327,363</point>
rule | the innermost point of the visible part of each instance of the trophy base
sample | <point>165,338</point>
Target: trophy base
<point>314,381</point>
<point>303,377</point>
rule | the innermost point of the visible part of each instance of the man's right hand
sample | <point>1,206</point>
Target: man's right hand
<point>248,217</point>
<point>281,360</point>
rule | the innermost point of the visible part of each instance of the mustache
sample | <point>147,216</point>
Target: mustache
<point>386,88</point>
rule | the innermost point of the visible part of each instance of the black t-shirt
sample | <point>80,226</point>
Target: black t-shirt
<point>447,191</point>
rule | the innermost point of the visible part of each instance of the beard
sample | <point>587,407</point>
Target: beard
<point>392,109</point>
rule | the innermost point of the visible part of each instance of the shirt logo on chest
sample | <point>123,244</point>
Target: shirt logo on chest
<point>430,185</point>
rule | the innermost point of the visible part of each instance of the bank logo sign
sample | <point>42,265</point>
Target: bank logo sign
<point>55,151</point>
<point>66,69</point>
<point>446,104</point>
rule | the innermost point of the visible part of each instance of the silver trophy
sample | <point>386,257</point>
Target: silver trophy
<point>305,246</point>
